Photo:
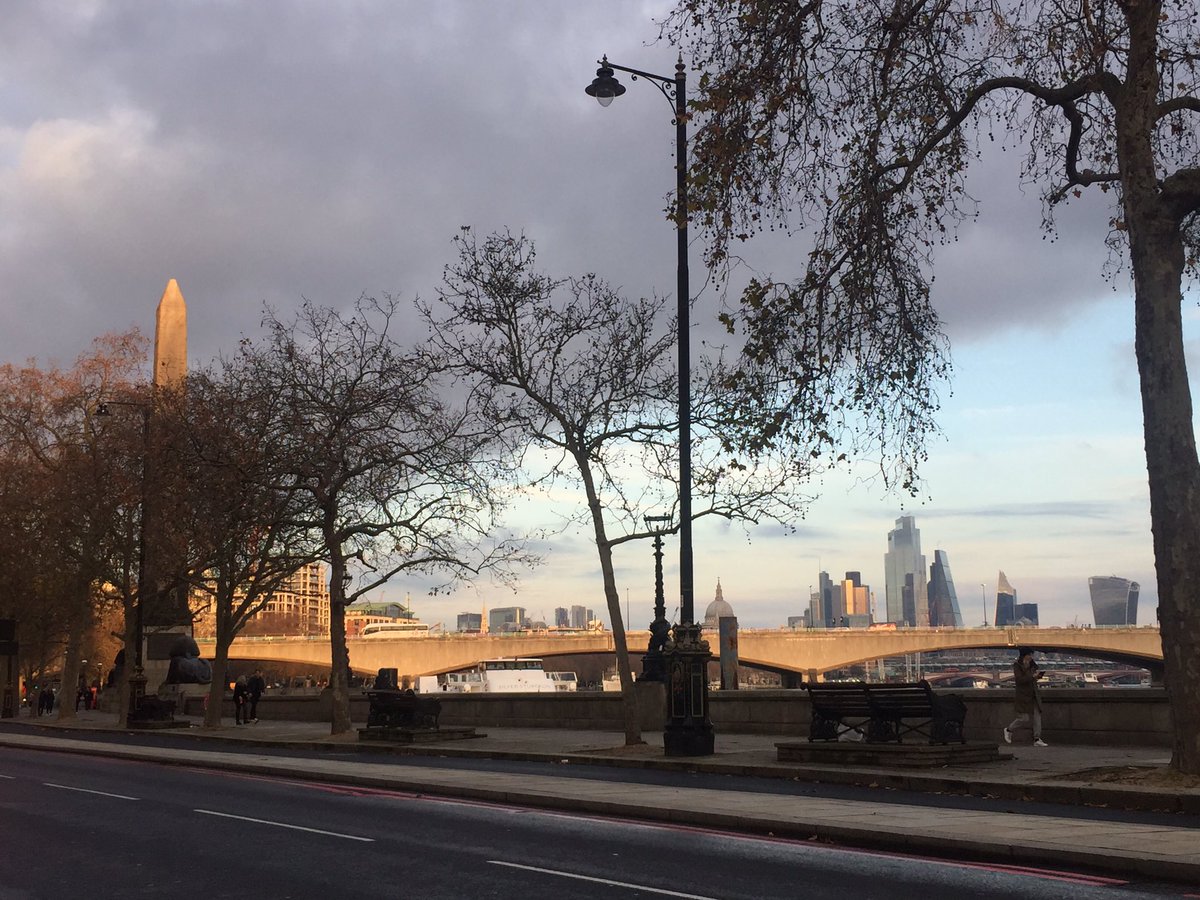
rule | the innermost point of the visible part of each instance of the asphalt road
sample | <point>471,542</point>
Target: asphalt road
<point>79,826</point>
<point>651,776</point>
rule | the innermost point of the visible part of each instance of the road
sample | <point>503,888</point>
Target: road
<point>75,825</point>
<point>678,779</point>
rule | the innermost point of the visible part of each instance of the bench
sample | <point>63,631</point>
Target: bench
<point>884,713</point>
<point>394,708</point>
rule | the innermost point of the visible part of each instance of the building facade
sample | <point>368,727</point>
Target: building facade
<point>299,607</point>
<point>943,599</point>
<point>469,622</point>
<point>506,618</point>
<point>904,568</point>
<point>1006,602</point>
<point>1114,600</point>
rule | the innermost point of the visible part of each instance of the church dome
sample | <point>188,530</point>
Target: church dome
<point>717,610</point>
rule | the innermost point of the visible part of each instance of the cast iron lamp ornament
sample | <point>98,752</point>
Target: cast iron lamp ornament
<point>688,730</point>
<point>653,664</point>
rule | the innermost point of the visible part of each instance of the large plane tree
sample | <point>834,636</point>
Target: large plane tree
<point>859,120</point>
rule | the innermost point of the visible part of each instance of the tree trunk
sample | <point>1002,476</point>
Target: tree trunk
<point>629,708</point>
<point>216,690</point>
<point>339,654</point>
<point>1158,260</point>
<point>69,688</point>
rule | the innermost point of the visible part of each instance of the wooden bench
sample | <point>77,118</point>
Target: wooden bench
<point>402,709</point>
<point>884,713</point>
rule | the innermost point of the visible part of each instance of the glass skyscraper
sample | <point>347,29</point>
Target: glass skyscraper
<point>1114,600</point>
<point>943,600</point>
<point>1006,602</point>
<point>904,575</point>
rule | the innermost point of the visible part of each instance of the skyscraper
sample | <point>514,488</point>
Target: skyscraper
<point>1114,600</point>
<point>1006,601</point>
<point>904,575</point>
<point>943,600</point>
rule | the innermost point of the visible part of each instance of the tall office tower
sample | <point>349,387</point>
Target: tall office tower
<point>1114,600</point>
<point>470,623</point>
<point>857,599</point>
<point>904,566</point>
<point>579,617</point>
<point>943,601</point>
<point>1006,601</point>
<point>814,609</point>
<point>562,618</point>
<point>506,618</point>
<point>831,602</point>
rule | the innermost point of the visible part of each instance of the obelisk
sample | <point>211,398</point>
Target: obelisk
<point>170,338</point>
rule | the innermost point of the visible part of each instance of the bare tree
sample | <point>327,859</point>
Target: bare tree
<point>570,366</point>
<point>397,478</point>
<point>862,120</point>
<point>246,528</point>
<point>46,420</point>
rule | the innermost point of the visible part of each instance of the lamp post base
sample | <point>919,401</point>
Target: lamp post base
<point>688,730</point>
<point>148,712</point>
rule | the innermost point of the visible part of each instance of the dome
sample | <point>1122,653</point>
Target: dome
<point>717,610</point>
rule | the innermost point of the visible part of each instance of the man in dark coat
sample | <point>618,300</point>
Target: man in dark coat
<point>1028,703</point>
<point>255,688</point>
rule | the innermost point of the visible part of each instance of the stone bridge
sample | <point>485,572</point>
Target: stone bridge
<point>808,653</point>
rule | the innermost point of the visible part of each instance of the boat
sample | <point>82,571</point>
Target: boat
<point>395,630</point>
<point>512,675</point>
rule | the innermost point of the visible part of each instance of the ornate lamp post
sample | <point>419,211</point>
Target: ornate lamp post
<point>137,678</point>
<point>653,665</point>
<point>688,730</point>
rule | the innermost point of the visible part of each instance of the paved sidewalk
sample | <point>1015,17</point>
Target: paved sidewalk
<point>1052,774</point>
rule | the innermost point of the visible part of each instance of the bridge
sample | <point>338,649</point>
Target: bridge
<point>808,653</point>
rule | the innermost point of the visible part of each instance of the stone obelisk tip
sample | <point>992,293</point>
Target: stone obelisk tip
<point>170,337</point>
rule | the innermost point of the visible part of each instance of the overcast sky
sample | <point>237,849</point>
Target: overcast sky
<point>271,151</point>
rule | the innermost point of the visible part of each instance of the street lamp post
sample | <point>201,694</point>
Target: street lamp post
<point>137,678</point>
<point>983,597</point>
<point>653,664</point>
<point>688,729</point>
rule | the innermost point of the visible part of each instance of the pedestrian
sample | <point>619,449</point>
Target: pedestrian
<point>1028,703</point>
<point>46,701</point>
<point>241,692</point>
<point>255,687</point>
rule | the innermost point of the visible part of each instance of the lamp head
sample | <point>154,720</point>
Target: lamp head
<point>604,86</point>
<point>102,409</point>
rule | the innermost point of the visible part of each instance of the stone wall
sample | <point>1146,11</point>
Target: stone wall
<point>1114,716</point>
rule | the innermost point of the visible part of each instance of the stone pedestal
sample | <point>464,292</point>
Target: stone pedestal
<point>688,730</point>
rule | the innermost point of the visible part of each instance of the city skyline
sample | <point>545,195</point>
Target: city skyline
<point>345,160</point>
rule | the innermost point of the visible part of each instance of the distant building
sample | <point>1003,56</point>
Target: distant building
<point>856,600</point>
<point>562,617</point>
<point>943,600</point>
<point>299,607</point>
<point>506,618</point>
<point>360,615</point>
<point>470,622</point>
<point>796,622</point>
<point>1025,613</point>
<point>580,615</point>
<point>1006,600</point>
<point>717,610</point>
<point>832,609</point>
<point>904,575</point>
<point>1114,600</point>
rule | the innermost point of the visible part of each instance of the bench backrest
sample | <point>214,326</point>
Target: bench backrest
<point>839,698</point>
<point>903,700</point>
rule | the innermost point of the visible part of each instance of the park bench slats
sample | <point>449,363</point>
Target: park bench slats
<point>883,713</point>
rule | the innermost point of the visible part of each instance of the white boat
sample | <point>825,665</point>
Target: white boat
<point>564,681</point>
<point>515,675</point>
<point>395,630</point>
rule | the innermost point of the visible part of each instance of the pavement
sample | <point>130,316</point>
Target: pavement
<point>1060,774</point>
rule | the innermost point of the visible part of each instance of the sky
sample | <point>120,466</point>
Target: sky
<point>271,152</point>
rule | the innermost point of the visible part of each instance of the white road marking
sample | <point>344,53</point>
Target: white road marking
<point>349,837</point>
<point>624,884</point>
<point>67,787</point>
<point>9,777</point>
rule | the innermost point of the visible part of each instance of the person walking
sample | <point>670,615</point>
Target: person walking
<point>1028,703</point>
<point>255,688</point>
<point>241,693</point>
